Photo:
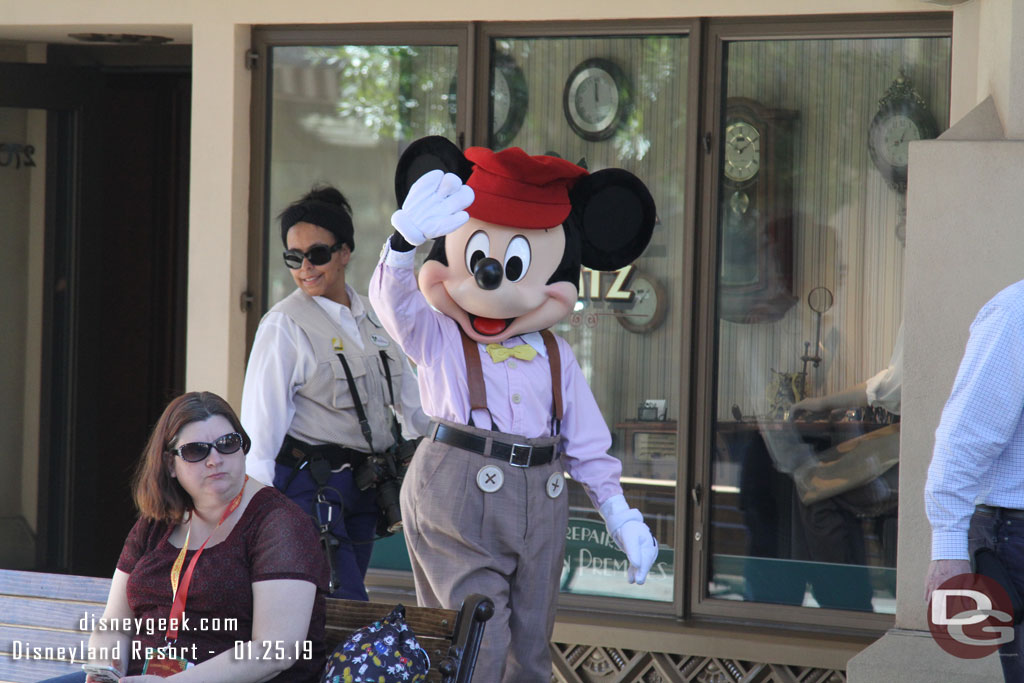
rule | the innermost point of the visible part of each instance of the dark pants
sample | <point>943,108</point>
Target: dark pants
<point>1006,537</point>
<point>353,521</point>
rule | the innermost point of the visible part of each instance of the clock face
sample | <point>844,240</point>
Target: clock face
<point>742,151</point>
<point>648,309</point>
<point>896,133</point>
<point>902,118</point>
<point>645,302</point>
<point>596,99</point>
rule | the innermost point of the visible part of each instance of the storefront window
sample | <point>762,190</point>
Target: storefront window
<point>810,224</point>
<point>615,102</point>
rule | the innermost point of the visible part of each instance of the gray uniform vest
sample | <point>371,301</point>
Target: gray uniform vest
<point>324,406</point>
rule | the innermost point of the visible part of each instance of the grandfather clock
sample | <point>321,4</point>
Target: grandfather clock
<point>755,213</point>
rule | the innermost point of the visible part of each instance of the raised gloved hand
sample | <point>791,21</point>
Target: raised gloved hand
<point>626,526</point>
<point>435,206</point>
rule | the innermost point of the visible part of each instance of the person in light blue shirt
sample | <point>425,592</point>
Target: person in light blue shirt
<point>974,495</point>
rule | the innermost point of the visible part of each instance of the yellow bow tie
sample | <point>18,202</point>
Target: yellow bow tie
<point>501,353</point>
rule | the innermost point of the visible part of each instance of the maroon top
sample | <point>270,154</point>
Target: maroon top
<point>273,539</point>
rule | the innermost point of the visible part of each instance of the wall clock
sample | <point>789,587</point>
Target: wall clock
<point>755,212</point>
<point>509,100</point>
<point>902,117</point>
<point>649,305</point>
<point>597,99</point>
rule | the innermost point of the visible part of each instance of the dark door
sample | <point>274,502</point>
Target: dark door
<point>111,324</point>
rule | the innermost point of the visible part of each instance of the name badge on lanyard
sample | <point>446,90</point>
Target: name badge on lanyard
<point>164,664</point>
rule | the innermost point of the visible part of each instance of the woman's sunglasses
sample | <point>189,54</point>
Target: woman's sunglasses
<point>198,450</point>
<point>318,255</point>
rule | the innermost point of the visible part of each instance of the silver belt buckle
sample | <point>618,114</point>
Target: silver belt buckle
<point>521,455</point>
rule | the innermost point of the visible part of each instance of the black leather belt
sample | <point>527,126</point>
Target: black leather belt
<point>515,454</point>
<point>1006,513</point>
<point>293,452</point>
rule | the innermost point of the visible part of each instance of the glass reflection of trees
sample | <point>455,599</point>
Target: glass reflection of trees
<point>391,90</point>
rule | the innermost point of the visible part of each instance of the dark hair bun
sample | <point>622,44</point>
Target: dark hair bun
<point>328,195</point>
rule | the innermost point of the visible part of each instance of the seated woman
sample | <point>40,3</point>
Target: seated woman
<point>237,559</point>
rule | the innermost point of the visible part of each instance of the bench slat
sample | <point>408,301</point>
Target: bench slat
<point>16,611</point>
<point>56,586</point>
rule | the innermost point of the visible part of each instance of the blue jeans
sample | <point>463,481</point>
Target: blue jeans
<point>353,522</point>
<point>1006,537</point>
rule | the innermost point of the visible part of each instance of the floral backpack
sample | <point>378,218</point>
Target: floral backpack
<point>383,652</point>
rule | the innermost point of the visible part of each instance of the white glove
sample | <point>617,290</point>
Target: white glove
<point>626,526</point>
<point>434,207</point>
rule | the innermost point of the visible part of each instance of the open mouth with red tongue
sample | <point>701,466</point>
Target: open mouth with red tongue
<point>489,327</point>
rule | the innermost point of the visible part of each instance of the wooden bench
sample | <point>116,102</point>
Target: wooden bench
<point>43,611</point>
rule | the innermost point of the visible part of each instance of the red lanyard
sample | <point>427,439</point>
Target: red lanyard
<point>181,592</point>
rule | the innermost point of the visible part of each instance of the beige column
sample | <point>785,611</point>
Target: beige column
<point>218,209</point>
<point>964,241</point>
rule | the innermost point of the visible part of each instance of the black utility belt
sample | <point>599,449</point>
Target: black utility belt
<point>293,452</point>
<point>515,454</point>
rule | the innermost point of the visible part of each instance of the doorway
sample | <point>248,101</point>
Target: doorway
<point>99,236</point>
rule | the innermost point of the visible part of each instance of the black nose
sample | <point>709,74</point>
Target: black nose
<point>488,273</point>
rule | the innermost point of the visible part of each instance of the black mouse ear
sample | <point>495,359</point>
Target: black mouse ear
<point>425,155</point>
<point>615,215</point>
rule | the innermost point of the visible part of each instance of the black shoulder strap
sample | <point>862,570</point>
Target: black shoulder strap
<point>364,424</point>
<point>387,375</point>
<point>396,430</point>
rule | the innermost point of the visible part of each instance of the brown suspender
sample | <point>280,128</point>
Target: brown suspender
<point>475,375</point>
<point>556,372</point>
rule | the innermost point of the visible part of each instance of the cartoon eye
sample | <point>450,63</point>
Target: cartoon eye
<point>477,248</point>
<point>517,258</point>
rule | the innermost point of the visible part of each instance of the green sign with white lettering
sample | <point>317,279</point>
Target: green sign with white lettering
<point>594,565</point>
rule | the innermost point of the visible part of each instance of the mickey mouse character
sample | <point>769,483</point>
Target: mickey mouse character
<point>483,502</point>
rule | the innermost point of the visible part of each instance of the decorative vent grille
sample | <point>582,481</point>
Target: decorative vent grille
<point>590,664</point>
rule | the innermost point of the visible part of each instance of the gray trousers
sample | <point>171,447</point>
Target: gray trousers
<point>507,545</point>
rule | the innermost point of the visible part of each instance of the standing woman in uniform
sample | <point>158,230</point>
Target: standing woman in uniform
<point>313,353</point>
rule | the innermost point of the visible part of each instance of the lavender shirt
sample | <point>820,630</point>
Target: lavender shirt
<point>518,393</point>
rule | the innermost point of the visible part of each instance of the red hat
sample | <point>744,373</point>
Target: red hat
<point>515,189</point>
